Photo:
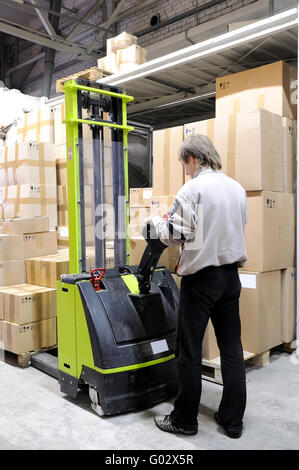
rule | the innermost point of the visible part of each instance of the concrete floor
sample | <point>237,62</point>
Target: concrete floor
<point>35,415</point>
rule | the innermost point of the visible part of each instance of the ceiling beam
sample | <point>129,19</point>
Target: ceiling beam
<point>72,49</point>
<point>44,19</point>
<point>28,8</point>
<point>86,17</point>
<point>111,20</point>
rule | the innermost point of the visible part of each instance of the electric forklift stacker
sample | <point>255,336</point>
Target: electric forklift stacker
<point>116,326</point>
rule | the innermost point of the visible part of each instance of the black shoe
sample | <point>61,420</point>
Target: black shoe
<point>231,431</point>
<point>165,424</point>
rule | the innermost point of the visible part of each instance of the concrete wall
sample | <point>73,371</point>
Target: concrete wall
<point>198,27</point>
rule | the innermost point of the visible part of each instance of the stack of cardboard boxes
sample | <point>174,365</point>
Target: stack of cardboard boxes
<point>28,196</point>
<point>123,54</point>
<point>27,312</point>
<point>254,133</point>
<point>28,180</point>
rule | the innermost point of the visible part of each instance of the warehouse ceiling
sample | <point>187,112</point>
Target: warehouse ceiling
<point>32,20</point>
<point>180,87</point>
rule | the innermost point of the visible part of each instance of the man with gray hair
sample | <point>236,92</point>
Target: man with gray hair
<point>208,219</point>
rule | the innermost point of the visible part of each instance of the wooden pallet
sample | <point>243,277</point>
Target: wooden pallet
<point>211,370</point>
<point>22,360</point>
<point>93,74</point>
<point>288,347</point>
<point>261,360</point>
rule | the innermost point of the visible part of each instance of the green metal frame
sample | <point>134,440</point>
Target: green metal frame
<point>70,89</point>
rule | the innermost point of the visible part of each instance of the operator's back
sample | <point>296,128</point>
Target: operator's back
<point>224,208</point>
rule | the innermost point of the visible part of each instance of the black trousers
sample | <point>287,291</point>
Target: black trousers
<point>210,293</point>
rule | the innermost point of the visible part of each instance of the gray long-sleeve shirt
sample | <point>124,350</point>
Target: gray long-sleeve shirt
<point>208,219</point>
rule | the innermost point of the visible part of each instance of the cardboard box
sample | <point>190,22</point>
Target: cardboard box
<point>269,87</point>
<point>11,247</point>
<point>160,205</point>
<point>46,271</point>
<point>289,130</point>
<point>140,197</point>
<point>27,163</point>
<point>61,152</point>
<point>270,231</point>
<point>28,337</point>
<point>109,63</point>
<point>12,272</point>
<point>169,257</point>
<point>121,41</point>
<point>131,55</point>
<point>40,244</point>
<point>128,66</point>
<point>260,313</point>
<point>62,205</point>
<point>260,309</point>
<point>29,200</point>
<point>288,305</point>
<point>135,230</point>
<point>25,225</point>
<point>61,171</point>
<point>60,129</point>
<point>37,126</point>
<point>168,171</point>
<point>63,236</point>
<point>24,303</point>
<point>250,146</point>
<point>209,344</point>
<point>138,215</point>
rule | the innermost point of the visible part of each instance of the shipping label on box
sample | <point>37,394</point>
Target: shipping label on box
<point>140,197</point>
<point>270,231</point>
<point>161,205</point>
<point>40,244</point>
<point>268,87</point>
<point>20,339</point>
<point>25,303</point>
<point>26,163</point>
<point>37,126</point>
<point>29,200</point>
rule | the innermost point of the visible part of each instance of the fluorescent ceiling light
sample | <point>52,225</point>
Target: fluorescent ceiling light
<point>205,48</point>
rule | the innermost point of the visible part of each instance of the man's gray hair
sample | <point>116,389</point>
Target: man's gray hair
<point>201,148</point>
